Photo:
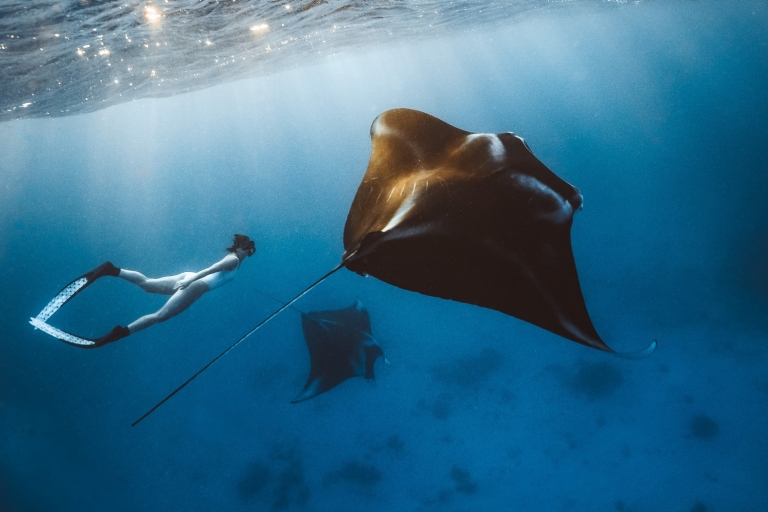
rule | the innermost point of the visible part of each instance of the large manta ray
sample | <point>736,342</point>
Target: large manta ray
<point>471,217</point>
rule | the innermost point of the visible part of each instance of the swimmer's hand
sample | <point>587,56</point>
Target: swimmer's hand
<point>183,283</point>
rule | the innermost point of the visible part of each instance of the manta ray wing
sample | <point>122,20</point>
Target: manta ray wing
<point>475,218</point>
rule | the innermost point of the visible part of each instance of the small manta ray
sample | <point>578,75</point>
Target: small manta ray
<point>340,347</point>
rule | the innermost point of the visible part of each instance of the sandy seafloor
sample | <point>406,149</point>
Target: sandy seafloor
<point>656,112</point>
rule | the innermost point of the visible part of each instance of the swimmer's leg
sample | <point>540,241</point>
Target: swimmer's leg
<point>161,285</point>
<point>178,302</point>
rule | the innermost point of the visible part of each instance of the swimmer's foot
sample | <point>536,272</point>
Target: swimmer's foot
<point>105,269</point>
<point>115,334</point>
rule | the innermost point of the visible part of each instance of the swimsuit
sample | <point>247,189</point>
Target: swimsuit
<point>220,278</point>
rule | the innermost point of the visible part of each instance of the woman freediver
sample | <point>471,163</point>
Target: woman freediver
<point>184,288</point>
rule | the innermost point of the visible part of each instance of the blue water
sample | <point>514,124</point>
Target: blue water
<point>655,111</point>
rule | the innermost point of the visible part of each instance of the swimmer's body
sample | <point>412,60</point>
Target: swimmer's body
<point>184,288</point>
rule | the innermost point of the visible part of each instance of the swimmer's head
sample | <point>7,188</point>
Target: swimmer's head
<point>244,243</point>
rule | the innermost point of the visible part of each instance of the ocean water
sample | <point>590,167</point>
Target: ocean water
<point>654,110</point>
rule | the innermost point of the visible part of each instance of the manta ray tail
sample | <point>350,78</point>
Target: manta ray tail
<point>242,338</point>
<point>642,354</point>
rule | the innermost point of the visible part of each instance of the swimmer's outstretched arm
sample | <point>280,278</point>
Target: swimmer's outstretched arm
<point>228,262</point>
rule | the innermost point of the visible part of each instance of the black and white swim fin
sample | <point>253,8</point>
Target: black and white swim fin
<point>64,296</point>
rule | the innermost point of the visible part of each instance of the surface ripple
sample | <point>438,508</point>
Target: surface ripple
<point>61,57</point>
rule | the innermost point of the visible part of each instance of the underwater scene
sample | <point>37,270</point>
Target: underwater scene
<point>537,233</point>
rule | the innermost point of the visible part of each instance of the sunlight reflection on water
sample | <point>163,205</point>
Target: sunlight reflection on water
<point>62,58</point>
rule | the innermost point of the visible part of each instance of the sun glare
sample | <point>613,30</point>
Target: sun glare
<point>153,14</point>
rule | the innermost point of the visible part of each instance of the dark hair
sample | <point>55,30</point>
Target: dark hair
<point>243,242</point>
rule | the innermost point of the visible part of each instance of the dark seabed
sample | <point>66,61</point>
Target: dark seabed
<point>655,110</point>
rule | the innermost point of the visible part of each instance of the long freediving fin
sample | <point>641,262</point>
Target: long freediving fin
<point>65,295</point>
<point>61,335</point>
